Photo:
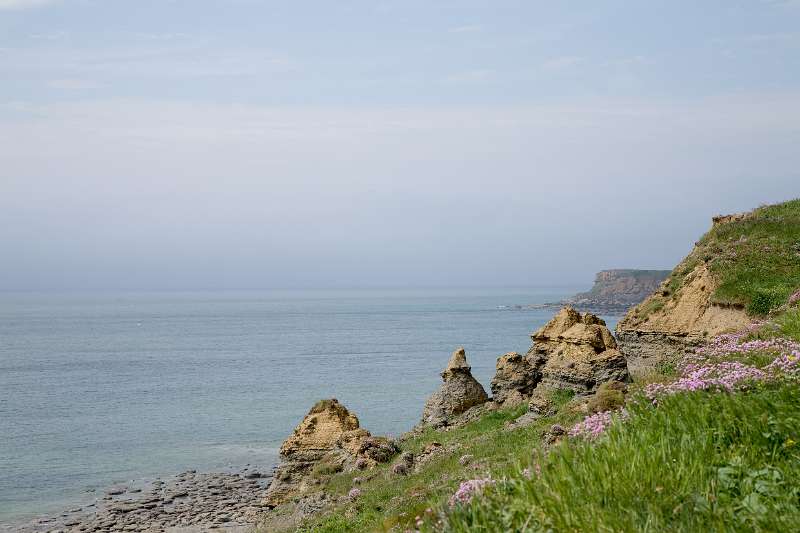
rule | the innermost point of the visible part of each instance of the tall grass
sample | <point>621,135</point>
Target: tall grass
<point>718,462</point>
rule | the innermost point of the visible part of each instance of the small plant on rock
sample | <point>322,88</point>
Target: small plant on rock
<point>609,396</point>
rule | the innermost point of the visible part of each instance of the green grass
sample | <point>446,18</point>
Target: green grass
<point>757,260</point>
<point>699,461</point>
<point>786,325</point>
<point>789,324</point>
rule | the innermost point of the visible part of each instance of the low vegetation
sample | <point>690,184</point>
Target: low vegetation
<point>698,461</point>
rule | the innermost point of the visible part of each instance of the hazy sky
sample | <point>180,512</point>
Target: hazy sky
<point>242,143</point>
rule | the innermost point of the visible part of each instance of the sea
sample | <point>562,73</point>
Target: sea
<point>102,388</point>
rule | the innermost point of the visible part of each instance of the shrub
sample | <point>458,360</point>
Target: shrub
<point>608,397</point>
<point>764,301</point>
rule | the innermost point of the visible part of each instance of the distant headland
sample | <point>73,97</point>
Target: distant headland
<point>614,292</point>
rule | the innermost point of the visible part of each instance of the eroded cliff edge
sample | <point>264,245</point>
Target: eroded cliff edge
<point>684,311</point>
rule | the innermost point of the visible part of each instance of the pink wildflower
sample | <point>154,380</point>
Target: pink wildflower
<point>354,493</point>
<point>592,426</point>
<point>468,489</point>
<point>701,370</point>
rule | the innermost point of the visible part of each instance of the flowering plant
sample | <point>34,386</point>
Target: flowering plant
<point>468,489</point>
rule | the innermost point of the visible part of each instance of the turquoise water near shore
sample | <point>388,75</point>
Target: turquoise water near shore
<point>102,388</point>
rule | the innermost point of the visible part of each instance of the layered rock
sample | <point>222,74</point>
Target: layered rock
<point>458,393</point>
<point>328,439</point>
<point>617,290</point>
<point>576,351</point>
<point>681,314</point>
<point>515,379</point>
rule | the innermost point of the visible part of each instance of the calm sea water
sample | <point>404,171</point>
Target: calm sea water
<point>102,388</point>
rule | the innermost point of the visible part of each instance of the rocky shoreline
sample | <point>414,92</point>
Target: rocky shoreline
<point>187,503</point>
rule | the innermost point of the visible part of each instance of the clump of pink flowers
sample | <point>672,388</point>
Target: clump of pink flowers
<point>702,369</point>
<point>468,489</point>
<point>727,376</point>
<point>354,493</point>
<point>592,426</point>
<point>732,344</point>
<point>788,363</point>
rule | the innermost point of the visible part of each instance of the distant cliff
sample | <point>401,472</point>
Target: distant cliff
<point>620,289</point>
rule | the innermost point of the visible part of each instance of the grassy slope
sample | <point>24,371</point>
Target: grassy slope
<point>756,260</point>
<point>391,502</point>
<point>699,461</point>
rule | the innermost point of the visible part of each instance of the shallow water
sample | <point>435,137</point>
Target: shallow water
<point>101,388</point>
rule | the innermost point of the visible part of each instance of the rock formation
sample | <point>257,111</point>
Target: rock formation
<point>459,392</point>
<point>681,314</point>
<point>616,291</point>
<point>514,380</point>
<point>576,351</point>
<point>329,439</point>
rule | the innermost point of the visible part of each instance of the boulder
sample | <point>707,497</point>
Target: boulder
<point>458,392</point>
<point>515,378</point>
<point>576,351</point>
<point>318,433</point>
<point>329,439</point>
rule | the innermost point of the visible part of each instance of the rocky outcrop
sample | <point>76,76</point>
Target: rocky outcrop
<point>515,379</point>
<point>329,439</point>
<point>616,291</point>
<point>725,219</point>
<point>576,351</point>
<point>458,393</point>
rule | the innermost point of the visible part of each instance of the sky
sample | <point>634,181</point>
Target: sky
<point>219,144</point>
